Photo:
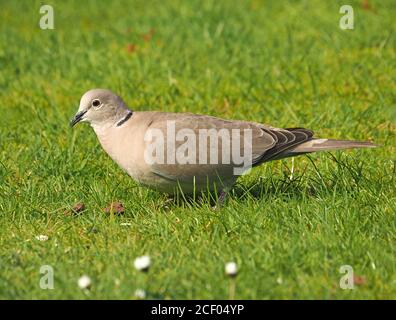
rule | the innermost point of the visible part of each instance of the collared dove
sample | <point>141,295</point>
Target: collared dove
<point>162,164</point>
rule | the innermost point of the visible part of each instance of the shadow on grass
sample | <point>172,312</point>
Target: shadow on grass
<point>345,175</point>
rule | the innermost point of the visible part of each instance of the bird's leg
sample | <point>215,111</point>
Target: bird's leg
<point>222,197</point>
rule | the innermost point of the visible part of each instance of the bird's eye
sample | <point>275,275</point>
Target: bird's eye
<point>96,103</point>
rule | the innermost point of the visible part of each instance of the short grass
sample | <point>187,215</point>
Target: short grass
<point>286,63</point>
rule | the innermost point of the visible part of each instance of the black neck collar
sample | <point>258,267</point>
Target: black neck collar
<point>125,119</point>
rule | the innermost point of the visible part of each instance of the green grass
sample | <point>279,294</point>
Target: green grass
<point>286,63</point>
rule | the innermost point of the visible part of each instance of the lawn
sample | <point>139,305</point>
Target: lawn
<point>285,63</point>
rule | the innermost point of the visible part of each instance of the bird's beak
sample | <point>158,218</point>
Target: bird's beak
<point>77,118</point>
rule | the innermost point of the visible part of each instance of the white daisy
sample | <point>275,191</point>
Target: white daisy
<point>42,237</point>
<point>142,263</point>
<point>84,282</point>
<point>140,294</point>
<point>231,269</point>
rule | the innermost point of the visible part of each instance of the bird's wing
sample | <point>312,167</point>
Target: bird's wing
<point>286,139</point>
<point>264,143</point>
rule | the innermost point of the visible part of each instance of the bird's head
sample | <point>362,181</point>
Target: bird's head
<point>100,107</point>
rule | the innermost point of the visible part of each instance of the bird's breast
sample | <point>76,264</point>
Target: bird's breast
<point>125,147</point>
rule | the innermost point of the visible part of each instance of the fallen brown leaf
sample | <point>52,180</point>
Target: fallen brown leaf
<point>147,36</point>
<point>131,48</point>
<point>359,280</point>
<point>115,207</point>
<point>367,6</point>
<point>77,208</point>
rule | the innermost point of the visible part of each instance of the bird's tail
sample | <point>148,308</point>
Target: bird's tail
<point>315,145</point>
